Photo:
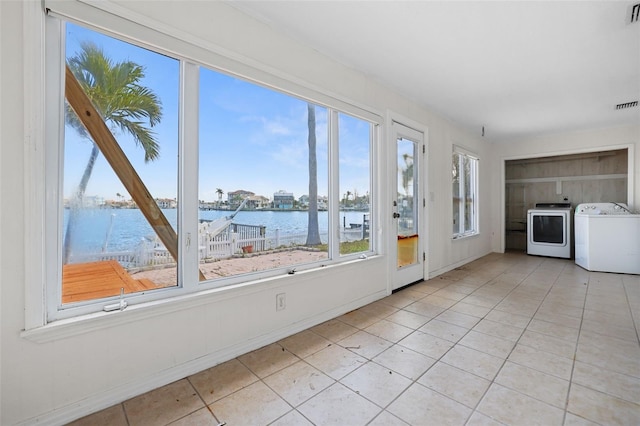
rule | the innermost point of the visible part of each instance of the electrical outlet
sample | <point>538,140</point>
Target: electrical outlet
<point>281,302</point>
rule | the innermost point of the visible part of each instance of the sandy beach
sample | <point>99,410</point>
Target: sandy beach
<point>236,265</point>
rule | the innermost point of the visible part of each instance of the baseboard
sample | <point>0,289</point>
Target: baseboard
<point>440,271</point>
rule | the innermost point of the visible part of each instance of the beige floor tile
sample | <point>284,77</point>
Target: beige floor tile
<point>473,361</point>
<point>488,344</point>
<point>389,330</point>
<point>376,383</point>
<point>338,405</point>
<point>484,301</point>
<point>607,381</point>
<point>564,320</point>
<point>538,385</point>
<point>573,420</point>
<point>298,382</point>
<point>403,360</point>
<point>518,307</point>
<point>459,385</point>
<point>387,419</point>
<point>555,330</point>
<point>408,319</point>
<point>267,360</point>
<point>202,417</point>
<point>334,330</point>
<point>365,344</point>
<point>441,300</point>
<point>588,337</point>
<point>382,310</point>
<point>513,408</point>
<point>428,310</point>
<point>542,361</point>
<point>449,293</point>
<point>359,318</point>
<point>513,320</point>
<point>625,332</point>
<point>498,329</point>
<point>304,343</point>
<point>554,307</point>
<point>463,288</point>
<point>335,361</point>
<point>403,298</point>
<point>621,360</point>
<point>419,405</point>
<point>424,287</point>
<point>469,309</point>
<point>479,419</point>
<point>457,318</point>
<point>426,344</point>
<point>253,405</point>
<point>222,380</point>
<point>163,405</point>
<point>444,330</point>
<point>547,343</point>
<point>292,418</point>
<point>112,416</point>
<point>602,408</point>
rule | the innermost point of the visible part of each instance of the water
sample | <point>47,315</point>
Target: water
<point>124,229</point>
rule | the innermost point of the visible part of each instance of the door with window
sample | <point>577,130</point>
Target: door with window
<point>408,205</point>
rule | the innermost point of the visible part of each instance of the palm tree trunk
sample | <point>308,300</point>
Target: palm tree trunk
<point>313,233</point>
<point>76,203</point>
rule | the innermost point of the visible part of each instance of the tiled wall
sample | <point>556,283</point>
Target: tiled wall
<point>579,178</point>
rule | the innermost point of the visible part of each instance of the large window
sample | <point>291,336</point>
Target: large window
<point>205,180</point>
<point>465,193</point>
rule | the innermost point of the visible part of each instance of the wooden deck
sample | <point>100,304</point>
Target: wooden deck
<point>95,280</point>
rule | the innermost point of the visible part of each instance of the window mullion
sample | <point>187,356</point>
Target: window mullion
<point>333,233</point>
<point>188,177</point>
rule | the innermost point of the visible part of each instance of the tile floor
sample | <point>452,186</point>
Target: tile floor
<point>508,339</point>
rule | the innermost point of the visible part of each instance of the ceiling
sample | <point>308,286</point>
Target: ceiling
<point>517,68</point>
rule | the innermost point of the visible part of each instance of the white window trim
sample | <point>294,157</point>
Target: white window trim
<point>38,325</point>
<point>476,187</point>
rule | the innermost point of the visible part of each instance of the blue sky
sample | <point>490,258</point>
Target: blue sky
<point>250,137</point>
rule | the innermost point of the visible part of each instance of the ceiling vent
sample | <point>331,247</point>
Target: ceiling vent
<point>635,13</point>
<point>627,105</point>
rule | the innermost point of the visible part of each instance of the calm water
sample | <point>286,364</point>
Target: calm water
<point>123,229</point>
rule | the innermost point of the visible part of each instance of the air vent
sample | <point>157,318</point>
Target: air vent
<point>627,105</point>
<point>635,13</point>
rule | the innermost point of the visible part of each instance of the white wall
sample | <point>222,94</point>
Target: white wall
<point>561,144</point>
<point>72,374</point>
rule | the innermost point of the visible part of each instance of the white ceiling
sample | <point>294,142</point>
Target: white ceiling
<point>518,68</point>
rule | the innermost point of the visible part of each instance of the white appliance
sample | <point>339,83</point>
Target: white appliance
<point>607,238</point>
<point>549,230</point>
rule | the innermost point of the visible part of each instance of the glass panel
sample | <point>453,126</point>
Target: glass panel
<point>261,154</point>
<point>406,207</point>
<point>106,240</point>
<point>355,187</point>
<point>548,229</point>
<point>455,167</point>
<point>467,165</point>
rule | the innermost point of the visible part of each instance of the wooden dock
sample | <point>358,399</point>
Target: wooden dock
<point>95,280</point>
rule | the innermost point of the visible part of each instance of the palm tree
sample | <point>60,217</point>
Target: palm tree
<point>313,232</point>
<point>219,191</point>
<point>116,93</point>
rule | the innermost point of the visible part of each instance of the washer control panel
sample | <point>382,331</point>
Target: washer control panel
<point>603,209</point>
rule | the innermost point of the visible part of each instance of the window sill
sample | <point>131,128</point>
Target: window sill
<point>81,324</point>
<point>465,236</point>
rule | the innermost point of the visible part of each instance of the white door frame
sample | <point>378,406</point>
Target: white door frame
<point>396,278</point>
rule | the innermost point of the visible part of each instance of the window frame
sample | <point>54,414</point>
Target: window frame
<point>188,283</point>
<point>474,181</point>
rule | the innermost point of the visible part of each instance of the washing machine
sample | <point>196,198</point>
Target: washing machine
<point>607,238</point>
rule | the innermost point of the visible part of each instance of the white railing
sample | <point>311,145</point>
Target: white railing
<point>237,239</point>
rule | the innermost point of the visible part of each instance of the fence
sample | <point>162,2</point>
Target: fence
<point>236,239</point>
